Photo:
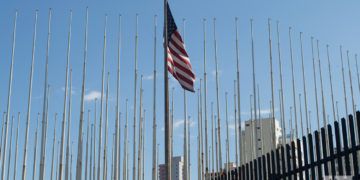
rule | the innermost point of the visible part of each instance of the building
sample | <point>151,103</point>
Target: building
<point>177,169</point>
<point>257,138</point>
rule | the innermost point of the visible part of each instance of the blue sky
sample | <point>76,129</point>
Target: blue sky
<point>332,22</point>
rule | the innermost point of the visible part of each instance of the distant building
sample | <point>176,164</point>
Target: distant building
<point>177,169</point>
<point>263,131</point>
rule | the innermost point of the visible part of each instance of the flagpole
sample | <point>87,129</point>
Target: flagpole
<point>105,163</point>
<point>65,98</point>
<point>301,117</point>
<point>236,129</point>
<point>227,135</point>
<point>272,86</point>
<point>304,80</point>
<point>188,148</point>
<point>337,111</point>
<point>10,147</point>
<point>87,147</point>
<point>172,122</point>
<point>91,153</point>
<point>351,86</point>
<point>281,85</point>
<point>125,174</point>
<point>217,98</point>
<point>102,100</point>
<point>321,86</point>
<point>201,134</point>
<point>293,83</point>
<point>23,175</point>
<point>53,148</point>
<point>259,122</point>
<point>186,168</point>
<point>9,94</point>
<point>140,128</point>
<point>254,84</point>
<point>154,167</point>
<point>68,129</point>
<point>212,138</point>
<point>238,89</point>
<point>35,147</point>
<point>2,131</point>
<point>16,146</point>
<point>205,102</point>
<point>331,84</point>
<point>117,123</point>
<point>44,118</point>
<point>357,71</point>
<point>216,149</point>
<point>315,84</point>
<point>252,124</point>
<point>135,90</point>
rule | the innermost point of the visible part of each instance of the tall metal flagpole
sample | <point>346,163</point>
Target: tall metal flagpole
<point>293,83</point>
<point>125,165</point>
<point>16,147</point>
<point>238,89</point>
<point>35,147</point>
<point>53,148</point>
<point>186,168</point>
<point>117,123</point>
<point>105,160</point>
<point>272,87</point>
<point>154,167</point>
<point>212,138</point>
<point>44,118</point>
<point>10,147</point>
<point>205,103</point>
<point>227,135</point>
<point>91,152</point>
<point>87,146</point>
<point>166,106</point>
<point>304,79</point>
<point>102,102</point>
<point>281,85</point>
<point>23,175</point>
<point>236,129</point>
<point>331,83</point>
<point>65,101</point>
<point>321,86</point>
<point>315,84</point>
<point>337,111</point>
<point>254,82</point>
<point>68,130</point>
<point>80,138</point>
<point>199,136</point>
<point>9,95</point>
<point>140,129</point>
<point>351,84</point>
<point>135,90</point>
<point>217,99</point>
<point>2,132</point>
<point>357,71</point>
<point>301,117</point>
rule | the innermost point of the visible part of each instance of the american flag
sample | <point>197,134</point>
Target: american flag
<point>177,58</point>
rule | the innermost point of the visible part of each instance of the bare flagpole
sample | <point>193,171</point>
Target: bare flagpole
<point>236,128</point>
<point>91,152</point>
<point>117,123</point>
<point>254,84</point>
<point>217,99</point>
<point>350,81</point>
<point>301,117</point>
<point>102,102</point>
<point>87,146</point>
<point>227,135</point>
<point>16,147</point>
<point>125,165</point>
<point>135,90</point>
<point>80,139</point>
<point>331,84</point>
<point>23,175</point>
<point>238,89</point>
<point>315,84</point>
<point>272,87</point>
<point>9,95</point>
<point>293,83</point>
<point>140,129</point>
<point>212,138</point>
<point>35,146</point>
<point>45,116</point>
<point>68,130</point>
<point>321,86</point>
<point>154,167</point>
<point>53,148</point>
<point>357,71</point>
<point>281,85</point>
<point>10,147</point>
<point>304,80</point>
<point>65,101</point>
<point>186,168</point>
<point>105,160</point>
<point>205,103</point>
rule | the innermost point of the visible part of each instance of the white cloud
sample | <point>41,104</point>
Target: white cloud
<point>213,72</point>
<point>262,112</point>
<point>92,95</point>
<point>149,77</point>
<point>180,123</point>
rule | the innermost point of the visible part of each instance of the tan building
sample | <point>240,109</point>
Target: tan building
<point>177,169</point>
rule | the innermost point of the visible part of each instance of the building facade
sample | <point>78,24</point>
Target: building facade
<point>177,169</point>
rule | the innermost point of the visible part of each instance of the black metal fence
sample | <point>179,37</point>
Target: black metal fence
<point>330,153</point>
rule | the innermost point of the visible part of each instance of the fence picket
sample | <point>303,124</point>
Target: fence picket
<point>331,151</point>
<point>353,145</point>
<point>346,147</point>
<point>324,151</point>
<point>306,162</point>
